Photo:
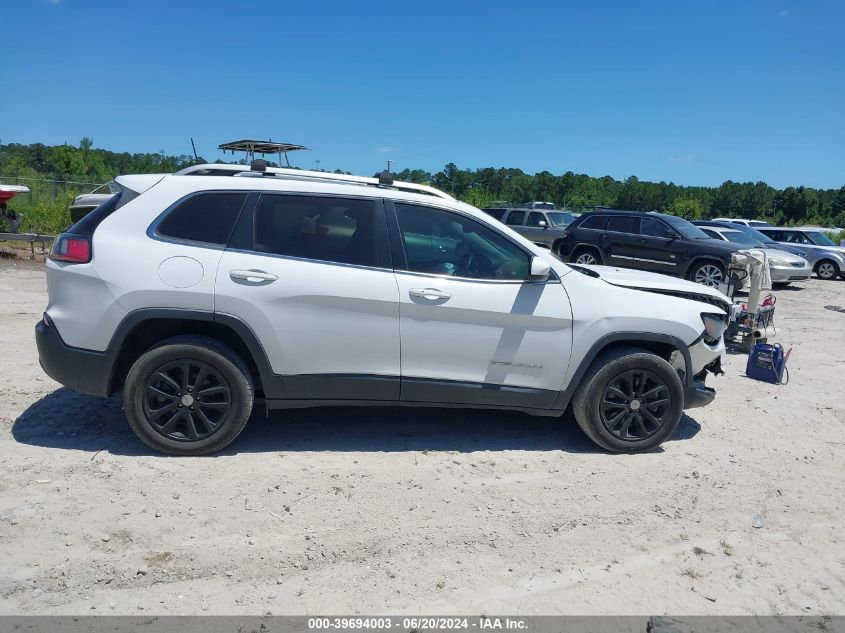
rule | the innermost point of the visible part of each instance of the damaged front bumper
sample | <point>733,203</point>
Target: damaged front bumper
<point>705,359</point>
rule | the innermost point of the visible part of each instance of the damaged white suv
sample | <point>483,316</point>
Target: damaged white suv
<point>202,293</point>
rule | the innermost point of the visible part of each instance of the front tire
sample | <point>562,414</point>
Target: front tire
<point>629,401</point>
<point>827,269</point>
<point>586,257</point>
<point>188,395</point>
<point>708,273</point>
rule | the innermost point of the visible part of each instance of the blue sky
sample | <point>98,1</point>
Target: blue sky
<point>690,91</point>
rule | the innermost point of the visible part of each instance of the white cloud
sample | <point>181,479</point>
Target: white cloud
<point>681,159</point>
<point>387,149</point>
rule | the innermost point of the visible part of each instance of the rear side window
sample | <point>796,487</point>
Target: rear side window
<point>621,224</point>
<point>516,218</point>
<point>496,213</point>
<point>207,218</point>
<point>777,236</point>
<point>338,230</point>
<point>598,222</point>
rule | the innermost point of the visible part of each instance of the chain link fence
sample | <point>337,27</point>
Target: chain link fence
<point>45,207</point>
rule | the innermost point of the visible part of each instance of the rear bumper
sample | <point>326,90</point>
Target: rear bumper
<point>81,370</point>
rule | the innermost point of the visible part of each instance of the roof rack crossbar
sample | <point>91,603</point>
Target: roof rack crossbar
<point>224,169</point>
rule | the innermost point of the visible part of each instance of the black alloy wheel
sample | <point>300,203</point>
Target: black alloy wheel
<point>186,400</point>
<point>634,405</point>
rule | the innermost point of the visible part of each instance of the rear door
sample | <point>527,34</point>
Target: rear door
<point>310,275</point>
<point>473,328</point>
<point>622,247</point>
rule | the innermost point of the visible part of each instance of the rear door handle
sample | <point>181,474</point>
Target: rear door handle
<point>252,275</point>
<point>429,293</point>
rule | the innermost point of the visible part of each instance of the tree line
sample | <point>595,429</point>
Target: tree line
<point>487,186</point>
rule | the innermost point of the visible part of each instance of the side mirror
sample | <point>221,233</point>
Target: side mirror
<point>539,270</point>
<point>542,224</point>
<point>670,235</point>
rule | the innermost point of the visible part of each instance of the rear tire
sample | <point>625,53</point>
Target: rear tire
<point>188,395</point>
<point>629,401</point>
<point>827,269</point>
<point>587,257</point>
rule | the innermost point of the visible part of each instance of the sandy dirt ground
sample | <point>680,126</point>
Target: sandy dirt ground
<point>428,511</point>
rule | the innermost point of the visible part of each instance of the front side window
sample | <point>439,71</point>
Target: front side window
<point>652,227</point>
<point>534,219</point>
<point>207,218</point>
<point>445,243</point>
<point>516,218</point>
<point>338,230</point>
<point>794,237</point>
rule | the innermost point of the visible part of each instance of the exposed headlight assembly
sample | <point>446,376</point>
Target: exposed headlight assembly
<point>714,327</point>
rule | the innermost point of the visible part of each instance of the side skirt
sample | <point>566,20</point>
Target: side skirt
<point>366,390</point>
<point>308,404</point>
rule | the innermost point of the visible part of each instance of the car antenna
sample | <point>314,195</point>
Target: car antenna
<point>194,147</point>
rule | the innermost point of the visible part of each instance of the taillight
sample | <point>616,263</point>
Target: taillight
<point>74,249</point>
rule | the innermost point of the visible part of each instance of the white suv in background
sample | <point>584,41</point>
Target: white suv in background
<point>200,294</point>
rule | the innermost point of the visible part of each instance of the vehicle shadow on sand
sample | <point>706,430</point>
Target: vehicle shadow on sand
<point>64,419</point>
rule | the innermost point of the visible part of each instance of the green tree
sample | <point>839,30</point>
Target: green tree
<point>687,207</point>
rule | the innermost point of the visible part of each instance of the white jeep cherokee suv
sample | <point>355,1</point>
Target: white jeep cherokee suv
<point>204,292</point>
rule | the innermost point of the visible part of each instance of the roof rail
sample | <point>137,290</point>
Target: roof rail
<point>223,169</point>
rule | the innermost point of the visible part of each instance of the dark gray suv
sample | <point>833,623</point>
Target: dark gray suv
<point>541,226</point>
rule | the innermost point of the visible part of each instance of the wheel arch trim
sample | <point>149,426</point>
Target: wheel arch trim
<point>613,339</point>
<point>270,382</point>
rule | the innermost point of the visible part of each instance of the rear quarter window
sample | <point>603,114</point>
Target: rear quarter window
<point>208,218</point>
<point>496,213</point>
<point>598,222</point>
<point>516,218</point>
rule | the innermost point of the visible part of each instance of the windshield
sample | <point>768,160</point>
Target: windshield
<point>686,229</point>
<point>820,239</point>
<point>738,237</point>
<point>754,234</point>
<point>560,219</point>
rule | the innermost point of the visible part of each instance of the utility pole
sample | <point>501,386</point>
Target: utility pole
<point>388,164</point>
<point>318,164</point>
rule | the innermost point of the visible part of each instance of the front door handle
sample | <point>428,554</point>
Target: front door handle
<point>431,294</point>
<point>252,275</point>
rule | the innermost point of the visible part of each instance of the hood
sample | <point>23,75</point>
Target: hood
<point>721,245</point>
<point>655,282</point>
<point>829,249</point>
<point>789,258</point>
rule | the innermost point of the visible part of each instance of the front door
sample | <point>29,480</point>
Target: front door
<point>310,276</point>
<point>654,250</point>
<point>473,328</point>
